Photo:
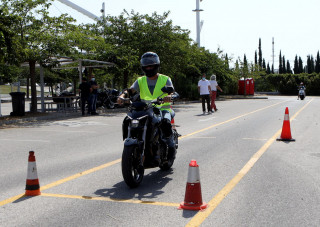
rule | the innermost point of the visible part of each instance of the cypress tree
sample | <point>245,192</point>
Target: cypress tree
<point>245,64</point>
<point>312,66</point>
<point>296,65</point>
<point>260,54</point>
<point>280,63</point>
<point>317,66</point>
<point>300,65</point>
<point>289,67</point>
<point>264,64</point>
<point>255,58</point>
<point>227,61</point>
<point>268,69</point>
<point>272,69</point>
<point>284,70</point>
<point>308,64</point>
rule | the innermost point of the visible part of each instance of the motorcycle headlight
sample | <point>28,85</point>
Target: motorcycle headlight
<point>134,123</point>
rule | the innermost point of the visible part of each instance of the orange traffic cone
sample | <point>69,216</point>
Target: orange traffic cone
<point>286,131</point>
<point>32,185</point>
<point>193,196</point>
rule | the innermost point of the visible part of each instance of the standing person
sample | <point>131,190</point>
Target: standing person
<point>84,93</point>
<point>204,89</point>
<point>214,86</point>
<point>93,96</point>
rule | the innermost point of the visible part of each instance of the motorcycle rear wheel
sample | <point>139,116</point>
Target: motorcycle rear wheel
<point>132,170</point>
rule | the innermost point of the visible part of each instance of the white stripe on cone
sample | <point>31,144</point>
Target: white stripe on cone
<point>32,171</point>
<point>286,117</point>
<point>193,175</point>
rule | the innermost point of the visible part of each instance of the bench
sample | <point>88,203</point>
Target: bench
<point>69,104</point>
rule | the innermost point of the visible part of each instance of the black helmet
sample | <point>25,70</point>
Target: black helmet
<point>150,59</point>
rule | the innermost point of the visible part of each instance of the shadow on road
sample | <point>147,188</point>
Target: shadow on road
<point>149,188</point>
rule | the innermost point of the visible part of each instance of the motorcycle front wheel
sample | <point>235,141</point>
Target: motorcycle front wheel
<point>132,169</point>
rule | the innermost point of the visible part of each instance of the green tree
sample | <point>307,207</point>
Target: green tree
<point>132,34</point>
<point>40,36</point>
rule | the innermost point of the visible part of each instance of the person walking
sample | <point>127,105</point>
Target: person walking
<point>204,89</point>
<point>93,96</point>
<point>214,86</point>
<point>84,94</point>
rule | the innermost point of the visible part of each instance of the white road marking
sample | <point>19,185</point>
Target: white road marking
<point>207,119</point>
<point>252,139</point>
<point>62,131</point>
<point>76,123</point>
<point>15,140</point>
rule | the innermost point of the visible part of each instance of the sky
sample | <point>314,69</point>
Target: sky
<point>233,26</point>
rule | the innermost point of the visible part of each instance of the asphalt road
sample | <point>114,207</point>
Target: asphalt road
<point>247,177</point>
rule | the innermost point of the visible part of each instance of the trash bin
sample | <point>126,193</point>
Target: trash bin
<point>18,103</point>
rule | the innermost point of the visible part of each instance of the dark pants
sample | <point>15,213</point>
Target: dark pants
<point>84,101</point>
<point>92,103</point>
<point>207,99</point>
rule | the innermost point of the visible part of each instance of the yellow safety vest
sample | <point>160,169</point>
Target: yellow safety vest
<point>146,95</point>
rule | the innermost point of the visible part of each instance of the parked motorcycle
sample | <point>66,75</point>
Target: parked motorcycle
<point>302,93</point>
<point>143,139</point>
<point>107,98</point>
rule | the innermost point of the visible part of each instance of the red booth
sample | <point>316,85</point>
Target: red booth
<point>249,86</point>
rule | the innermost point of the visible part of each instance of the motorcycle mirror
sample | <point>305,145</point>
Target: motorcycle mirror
<point>166,89</point>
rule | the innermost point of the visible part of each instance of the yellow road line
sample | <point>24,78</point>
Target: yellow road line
<point>201,216</point>
<point>224,122</point>
<point>80,174</point>
<point>12,199</point>
<point>108,199</point>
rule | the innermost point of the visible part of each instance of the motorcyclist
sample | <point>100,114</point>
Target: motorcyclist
<point>149,87</point>
<point>301,86</point>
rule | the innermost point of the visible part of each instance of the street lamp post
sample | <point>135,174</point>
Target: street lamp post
<point>199,24</point>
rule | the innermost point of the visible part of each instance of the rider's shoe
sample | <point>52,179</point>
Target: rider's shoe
<point>171,147</point>
<point>156,160</point>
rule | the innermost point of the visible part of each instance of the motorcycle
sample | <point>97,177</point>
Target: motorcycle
<point>143,139</point>
<point>107,98</point>
<point>302,93</point>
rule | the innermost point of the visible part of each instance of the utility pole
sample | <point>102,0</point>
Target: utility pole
<point>199,24</point>
<point>273,52</point>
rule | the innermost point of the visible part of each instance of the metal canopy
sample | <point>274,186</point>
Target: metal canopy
<point>66,61</point>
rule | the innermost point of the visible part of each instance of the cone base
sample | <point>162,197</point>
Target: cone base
<point>32,193</point>
<point>280,139</point>
<point>193,207</point>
